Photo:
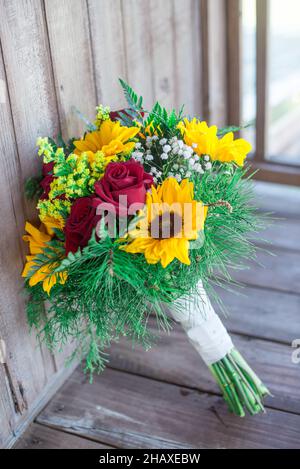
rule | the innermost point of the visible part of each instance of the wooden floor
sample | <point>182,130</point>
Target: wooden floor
<point>166,398</point>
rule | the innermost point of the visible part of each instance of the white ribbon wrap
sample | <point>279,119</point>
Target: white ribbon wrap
<point>203,326</point>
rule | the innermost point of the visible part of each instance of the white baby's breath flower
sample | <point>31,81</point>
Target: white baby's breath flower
<point>164,156</point>
<point>194,145</point>
<point>166,148</point>
<point>138,145</point>
<point>149,157</point>
<point>178,177</point>
<point>153,170</point>
<point>180,143</point>
<point>138,155</point>
<point>191,162</point>
<point>163,141</point>
<point>208,166</point>
<point>206,158</point>
<point>186,155</point>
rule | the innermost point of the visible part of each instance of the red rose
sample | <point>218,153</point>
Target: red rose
<point>115,115</point>
<point>47,179</point>
<point>123,179</point>
<point>80,223</point>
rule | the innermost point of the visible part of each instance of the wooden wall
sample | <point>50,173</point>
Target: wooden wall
<point>56,54</point>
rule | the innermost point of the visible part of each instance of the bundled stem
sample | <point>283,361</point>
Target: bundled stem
<point>240,386</point>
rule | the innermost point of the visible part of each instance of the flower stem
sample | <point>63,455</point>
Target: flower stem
<point>240,386</point>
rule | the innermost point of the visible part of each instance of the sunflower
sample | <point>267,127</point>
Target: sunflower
<point>111,139</point>
<point>205,141</point>
<point>170,219</point>
<point>38,239</point>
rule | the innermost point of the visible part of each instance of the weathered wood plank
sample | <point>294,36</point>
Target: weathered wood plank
<point>130,411</point>
<point>280,271</point>
<point>108,50</point>
<point>136,26</point>
<point>282,200</point>
<point>262,313</point>
<point>27,371</point>
<point>47,392</point>
<point>163,52</point>
<point>282,233</point>
<point>42,437</point>
<point>174,360</point>
<point>6,409</point>
<point>187,31</point>
<point>217,62</point>
<point>68,27</point>
<point>27,61</point>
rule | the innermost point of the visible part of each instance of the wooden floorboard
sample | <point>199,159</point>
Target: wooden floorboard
<point>166,397</point>
<point>174,360</point>
<point>279,271</point>
<point>42,437</point>
<point>282,201</point>
<point>262,313</point>
<point>130,411</point>
<point>282,233</point>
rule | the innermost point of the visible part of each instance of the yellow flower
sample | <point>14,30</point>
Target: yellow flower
<point>229,149</point>
<point>38,240</point>
<point>111,139</point>
<point>170,219</point>
<point>225,149</point>
<point>196,132</point>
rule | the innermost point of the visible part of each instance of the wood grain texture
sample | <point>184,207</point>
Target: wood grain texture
<point>6,409</point>
<point>282,201</point>
<point>234,57</point>
<point>28,67</point>
<point>280,271</point>
<point>134,412</point>
<point>161,17</point>
<point>108,50</point>
<point>26,369</point>
<point>174,360</point>
<point>137,36</point>
<point>214,61</point>
<point>69,36</point>
<point>282,233</point>
<point>258,312</point>
<point>42,437</point>
<point>187,32</point>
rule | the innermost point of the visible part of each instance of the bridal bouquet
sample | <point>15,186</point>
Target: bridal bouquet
<point>143,215</point>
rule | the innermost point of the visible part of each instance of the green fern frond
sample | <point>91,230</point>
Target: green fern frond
<point>134,101</point>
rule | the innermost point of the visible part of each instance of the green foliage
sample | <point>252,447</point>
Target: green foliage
<point>110,293</point>
<point>51,255</point>
<point>134,101</point>
<point>68,147</point>
<point>33,189</point>
<point>231,128</point>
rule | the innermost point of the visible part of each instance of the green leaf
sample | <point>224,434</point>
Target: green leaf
<point>134,101</point>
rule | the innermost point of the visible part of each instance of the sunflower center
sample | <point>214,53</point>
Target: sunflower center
<point>166,225</point>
